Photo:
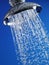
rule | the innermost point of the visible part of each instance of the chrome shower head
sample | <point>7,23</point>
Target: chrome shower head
<point>19,6</point>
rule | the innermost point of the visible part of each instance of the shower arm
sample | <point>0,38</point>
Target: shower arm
<point>14,2</point>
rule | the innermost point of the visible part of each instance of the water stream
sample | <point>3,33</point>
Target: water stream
<point>30,38</point>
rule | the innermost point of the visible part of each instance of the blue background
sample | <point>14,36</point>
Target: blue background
<point>7,50</point>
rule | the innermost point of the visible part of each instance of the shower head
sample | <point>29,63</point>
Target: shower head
<point>19,6</point>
